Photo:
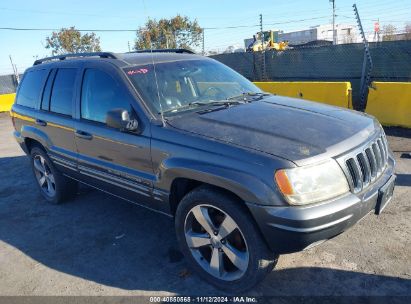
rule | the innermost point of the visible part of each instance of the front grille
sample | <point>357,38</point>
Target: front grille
<point>367,164</point>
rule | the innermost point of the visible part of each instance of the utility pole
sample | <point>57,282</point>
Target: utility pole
<point>15,72</point>
<point>263,68</point>
<point>203,51</point>
<point>128,43</point>
<point>261,32</point>
<point>334,36</point>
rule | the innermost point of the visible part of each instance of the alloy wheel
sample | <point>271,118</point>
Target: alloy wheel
<point>44,176</point>
<point>216,242</point>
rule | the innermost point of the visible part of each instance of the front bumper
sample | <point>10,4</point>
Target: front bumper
<point>295,228</point>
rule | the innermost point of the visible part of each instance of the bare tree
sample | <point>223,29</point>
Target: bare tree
<point>389,32</point>
<point>348,38</point>
<point>407,31</point>
<point>212,52</point>
<point>229,49</point>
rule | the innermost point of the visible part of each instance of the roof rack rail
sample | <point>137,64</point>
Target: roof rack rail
<point>76,55</point>
<point>180,51</point>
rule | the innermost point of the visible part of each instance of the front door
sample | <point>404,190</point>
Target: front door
<point>112,160</point>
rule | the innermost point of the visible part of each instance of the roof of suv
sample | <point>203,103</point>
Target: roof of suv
<point>124,59</point>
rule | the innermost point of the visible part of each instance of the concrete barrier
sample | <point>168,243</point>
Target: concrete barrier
<point>333,93</point>
<point>6,101</point>
<point>390,103</point>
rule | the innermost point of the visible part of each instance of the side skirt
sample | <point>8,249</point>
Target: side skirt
<point>125,199</point>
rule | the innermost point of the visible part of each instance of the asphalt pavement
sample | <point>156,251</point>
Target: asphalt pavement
<point>97,244</point>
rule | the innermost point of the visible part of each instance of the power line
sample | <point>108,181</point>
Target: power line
<point>62,13</point>
<point>133,30</point>
<point>231,27</point>
<point>297,20</point>
<point>382,20</point>
<point>54,29</point>
<point>113,30</point>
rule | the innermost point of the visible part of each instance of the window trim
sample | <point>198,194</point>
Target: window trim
<point>51,76</point>
<point>71,115</point>
<point>98,123</point>
<point>36,106</point>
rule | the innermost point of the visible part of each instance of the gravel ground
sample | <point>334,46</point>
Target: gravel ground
<point>100,245</point>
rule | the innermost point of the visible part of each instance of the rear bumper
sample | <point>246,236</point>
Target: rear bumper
<point>291,228</point>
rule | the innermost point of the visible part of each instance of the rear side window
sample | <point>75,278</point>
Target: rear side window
<point>31,88</point>
<point>63,90</point>
<point>45,103</point>
<point>100,93</point>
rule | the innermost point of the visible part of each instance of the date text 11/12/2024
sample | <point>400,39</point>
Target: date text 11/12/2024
<point>205,299</point>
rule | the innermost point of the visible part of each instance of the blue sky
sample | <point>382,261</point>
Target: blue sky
<point>24,46</point>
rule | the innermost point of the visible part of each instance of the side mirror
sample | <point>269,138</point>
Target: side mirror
<point>120,119</point>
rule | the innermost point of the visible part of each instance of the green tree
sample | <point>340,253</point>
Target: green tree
<point>70,40</point>
<point>177,32</point>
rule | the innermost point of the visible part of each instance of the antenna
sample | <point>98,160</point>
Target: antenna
<point>155,72</point>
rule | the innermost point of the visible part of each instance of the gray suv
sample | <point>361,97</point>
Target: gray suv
<point>245,174</point>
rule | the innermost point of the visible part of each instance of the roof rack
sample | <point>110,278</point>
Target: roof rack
<point>76,55</point>
<point>180,51</point>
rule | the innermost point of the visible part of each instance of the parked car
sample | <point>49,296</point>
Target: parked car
<point>245,174</point>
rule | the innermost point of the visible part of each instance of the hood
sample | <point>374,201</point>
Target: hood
<point>294,129</point>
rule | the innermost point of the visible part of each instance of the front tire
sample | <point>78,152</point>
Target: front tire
<point>220,240</point>
<point>54,187</point>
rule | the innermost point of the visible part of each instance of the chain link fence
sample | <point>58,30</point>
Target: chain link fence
<point>391,62</point>
<point>8,84</point>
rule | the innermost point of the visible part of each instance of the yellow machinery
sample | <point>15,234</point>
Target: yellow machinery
<point>270,42</point>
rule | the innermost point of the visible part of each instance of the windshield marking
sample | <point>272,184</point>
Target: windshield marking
<point>137,71</point>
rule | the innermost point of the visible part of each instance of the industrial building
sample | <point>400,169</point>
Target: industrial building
<point>345,33</point>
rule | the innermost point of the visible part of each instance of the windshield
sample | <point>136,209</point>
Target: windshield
<point>185,84</point>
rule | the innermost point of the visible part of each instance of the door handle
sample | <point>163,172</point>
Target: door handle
<point>41,122</point>
<point>84,135</point>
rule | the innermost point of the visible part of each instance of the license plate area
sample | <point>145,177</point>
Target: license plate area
<point>385,195</point>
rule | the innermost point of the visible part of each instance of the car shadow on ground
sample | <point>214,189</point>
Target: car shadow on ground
<point>100,238</point>
<point>403,180</point>
<point>398,132</point>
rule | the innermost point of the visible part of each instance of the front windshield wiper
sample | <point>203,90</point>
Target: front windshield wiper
<point>226,103</point>
<point>233,100</point>
<point>243,96</point>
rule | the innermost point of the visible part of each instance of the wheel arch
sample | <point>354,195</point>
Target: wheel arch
<point>34,137</point>
<point>182,186</point>
<point>30,143</point>
<point>181,176</point>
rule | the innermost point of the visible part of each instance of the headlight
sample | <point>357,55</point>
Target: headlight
<point>311,184</point>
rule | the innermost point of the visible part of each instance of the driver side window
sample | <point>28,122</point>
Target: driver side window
<point>100,93</point>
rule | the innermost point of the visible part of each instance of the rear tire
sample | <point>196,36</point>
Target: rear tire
<point>220,240</point>
<point>54,187</point>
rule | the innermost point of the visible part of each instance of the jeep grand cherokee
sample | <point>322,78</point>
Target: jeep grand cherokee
<point>245,174</point>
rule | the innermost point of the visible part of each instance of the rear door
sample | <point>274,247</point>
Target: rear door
<point>25,108</point>
<point>114,161</point>
<point>55,117</point>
